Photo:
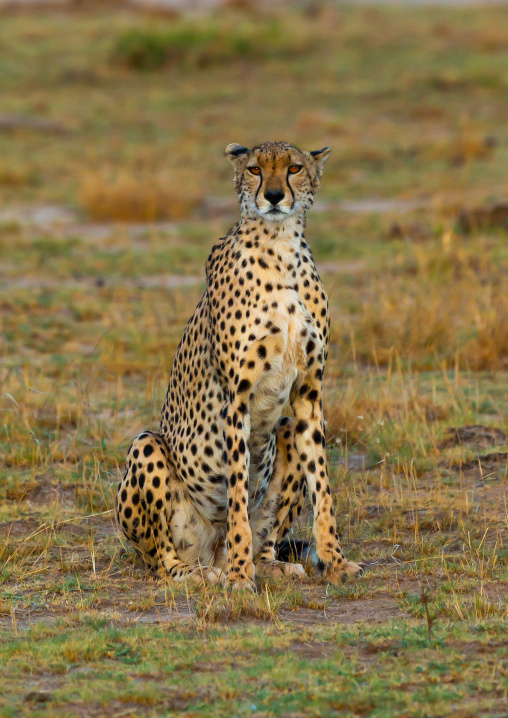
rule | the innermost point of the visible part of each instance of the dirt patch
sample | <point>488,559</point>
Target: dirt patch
<point>392,647</point>
<point>312,650</point>
<point>496,463</point>
<point>472,648</point>
<point>495,592</point>
<point>168,705</point>
<point>355,267</point>
<point>383,206</point>
<point>475,436</point>
<point>374,610</point>
<point>411,232</point>
<point>47,492</point>
<point>167,281</point>
<point>20,528</point>
<point>45,216</point>
<point>38,697</point>
<point>495,217</point>
<point>10,123</point>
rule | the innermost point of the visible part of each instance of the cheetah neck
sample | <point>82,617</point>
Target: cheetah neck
<point>284,239</point>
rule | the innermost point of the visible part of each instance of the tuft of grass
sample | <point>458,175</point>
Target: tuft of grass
<point>129,198</point>
<point>17,176</point>
<point>219,607</point>
<point>201,44</point>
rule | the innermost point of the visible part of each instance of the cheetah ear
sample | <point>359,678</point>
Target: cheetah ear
<point>234,152</point>
<point>319,158</point>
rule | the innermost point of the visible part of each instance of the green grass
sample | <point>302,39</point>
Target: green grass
<point>413,103</point>
<point>188,45</point>
<point>160,671</point>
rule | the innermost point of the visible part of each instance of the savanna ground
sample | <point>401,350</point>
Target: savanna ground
<point>113,188</point>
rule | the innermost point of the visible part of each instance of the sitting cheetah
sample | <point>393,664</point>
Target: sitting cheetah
<point>212,494</point>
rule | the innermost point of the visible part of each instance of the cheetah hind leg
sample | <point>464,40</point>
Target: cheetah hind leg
<point>294,491</point>
<point>144,508</point>
<point>281,564</point>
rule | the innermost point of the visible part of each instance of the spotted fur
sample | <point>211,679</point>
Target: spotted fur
<point>210,496</point>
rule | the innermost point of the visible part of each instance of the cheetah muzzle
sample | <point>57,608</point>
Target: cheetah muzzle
<point>211,496</point>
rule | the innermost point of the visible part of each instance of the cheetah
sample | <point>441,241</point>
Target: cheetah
<point>211,495</point>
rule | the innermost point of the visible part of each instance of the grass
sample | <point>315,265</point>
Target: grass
<point>413,103</point>
<point>190,45</point>
<point>137,199</point>
<point>259,671</point>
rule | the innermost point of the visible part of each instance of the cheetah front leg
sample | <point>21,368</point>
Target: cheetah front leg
<point>310,445</point>
<point>237,424</point>
<point>240,567</point>
<point>283,503</point>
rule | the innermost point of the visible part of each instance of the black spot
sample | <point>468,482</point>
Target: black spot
<point>317,436</point>
<point>244,385</point>
<point>301,426</point>
<point>148,450</point>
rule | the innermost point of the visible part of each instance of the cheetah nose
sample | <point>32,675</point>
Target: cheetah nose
<point>274,196</point>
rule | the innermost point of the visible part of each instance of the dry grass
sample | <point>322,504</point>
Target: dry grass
<point>443,304</point>
<point>130,198</point>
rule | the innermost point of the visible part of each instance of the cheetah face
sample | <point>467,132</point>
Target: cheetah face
<point>276,180</point>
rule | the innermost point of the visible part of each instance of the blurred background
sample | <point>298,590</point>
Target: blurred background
<point>114,117</point>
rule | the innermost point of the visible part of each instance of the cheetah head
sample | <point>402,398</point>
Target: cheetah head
<point>276,180</point>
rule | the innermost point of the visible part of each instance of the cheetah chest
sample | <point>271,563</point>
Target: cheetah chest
<point>286,359</point>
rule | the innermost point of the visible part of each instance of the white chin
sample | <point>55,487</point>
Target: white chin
<point>272,216</point>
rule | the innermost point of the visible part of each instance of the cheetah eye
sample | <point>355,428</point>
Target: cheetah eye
<point>255,170</point>
<point>294,169</point>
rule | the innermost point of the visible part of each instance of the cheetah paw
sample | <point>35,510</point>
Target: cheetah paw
<point>339,573</point>
<point>240,584</point>
<point>199,575</point>
<point>212,575</point>
<point>277,569</point>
